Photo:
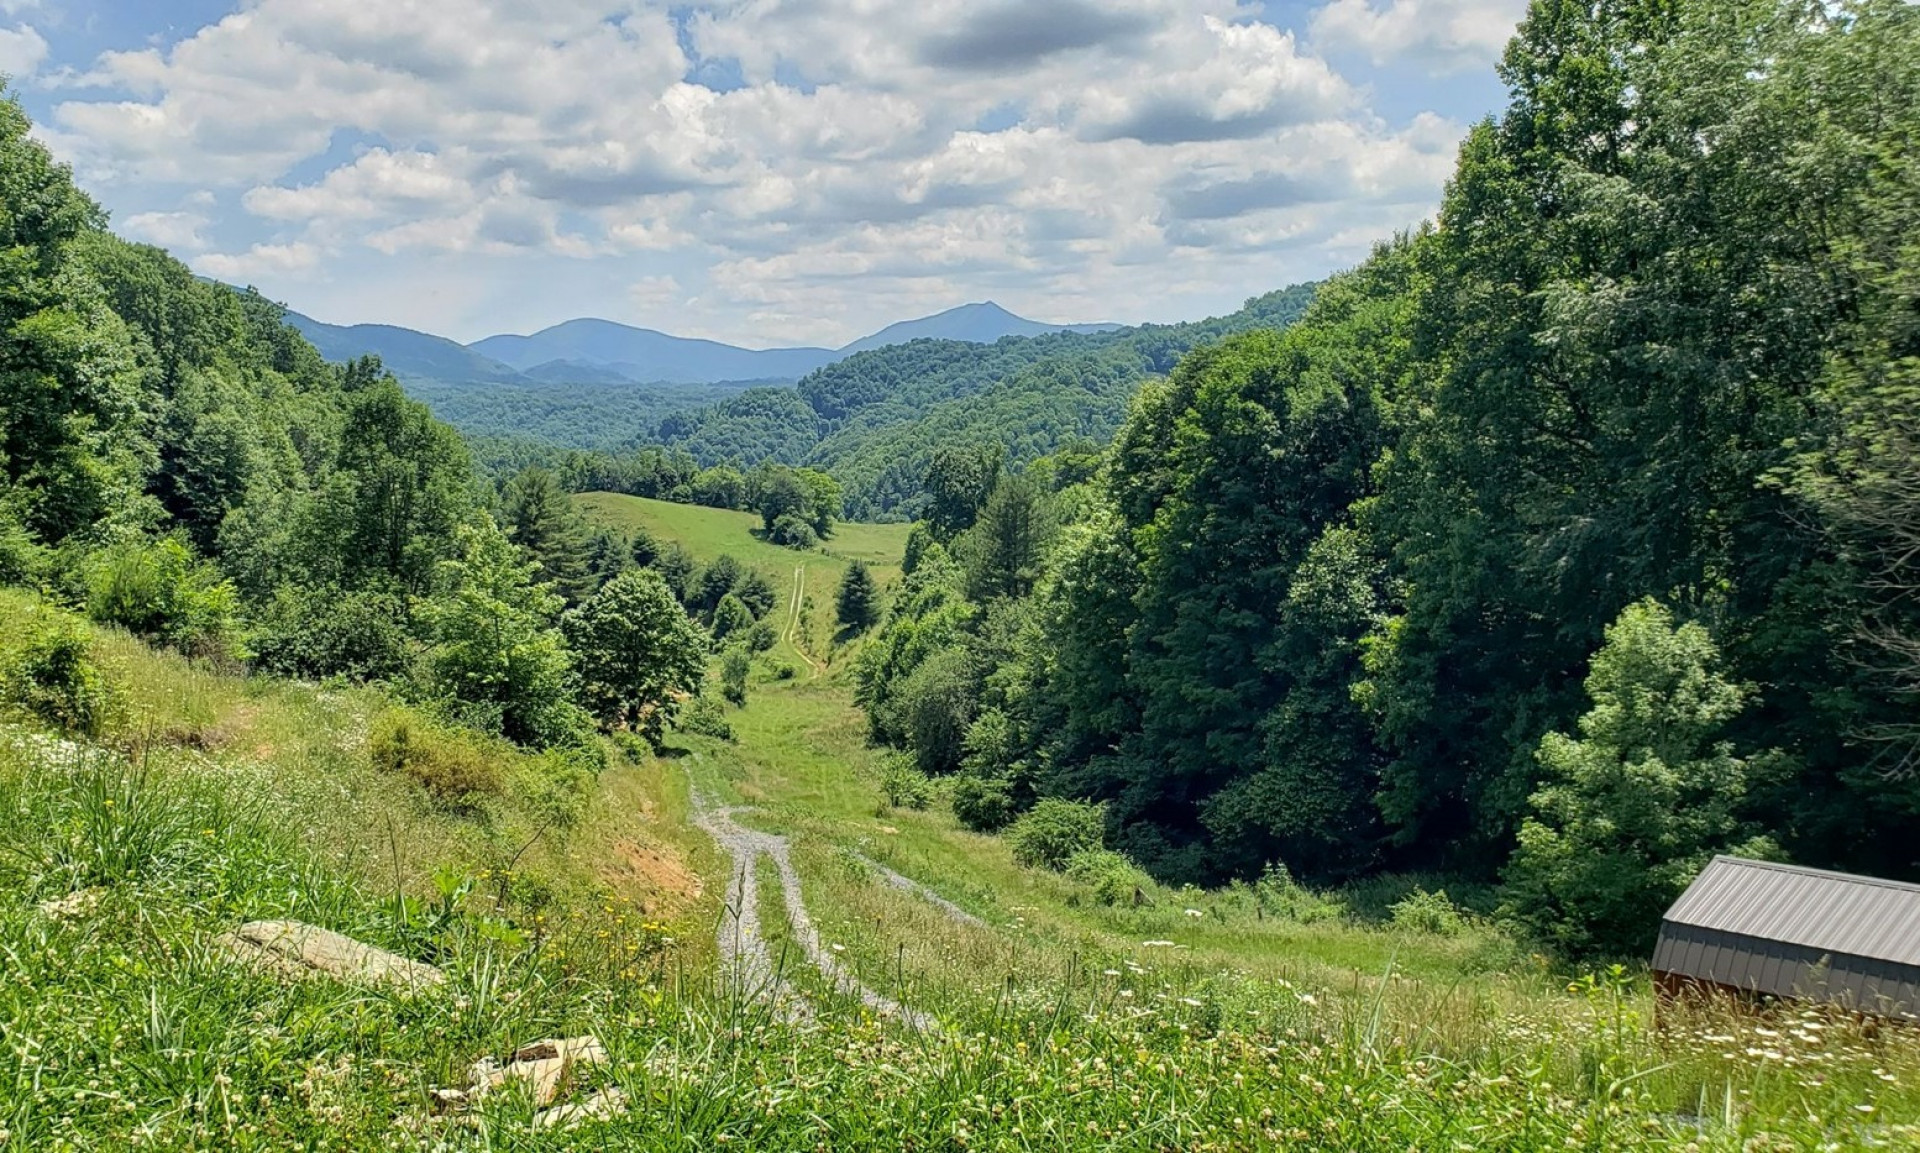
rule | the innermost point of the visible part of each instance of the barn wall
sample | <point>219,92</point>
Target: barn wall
<point>1776,968</point>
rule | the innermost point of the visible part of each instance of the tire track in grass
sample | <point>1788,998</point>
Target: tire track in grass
<point>909,885</point>
<point>793,620</point>
<point>744,952</point>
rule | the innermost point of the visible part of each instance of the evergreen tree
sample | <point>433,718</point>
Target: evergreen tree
<point>1003,550</point>
<point>858,603</point>
<point>541,519</point>
<point>717,582</point>
<point>757,593</point>
<point>731,619</point>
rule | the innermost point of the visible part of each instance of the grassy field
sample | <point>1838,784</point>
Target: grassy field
<point>1200,1022</point>
<point>708,533</point>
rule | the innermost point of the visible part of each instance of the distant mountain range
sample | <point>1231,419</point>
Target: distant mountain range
<point>603,352</point>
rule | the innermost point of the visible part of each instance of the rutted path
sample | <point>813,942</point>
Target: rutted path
<point>793,620</point>
<point>743,950</point>
<point>908,884</point>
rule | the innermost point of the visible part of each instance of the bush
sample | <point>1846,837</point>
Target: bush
<point>159,590</point>
<point>1424,912</point>
<point>327,633</point>
<point>1276,892</point>
<point>449,764</point>
<point>705,717</point>
<point>904,786</point>
<point>1113,878</point>
<point>1054,830</point>
<point>761,636</point>
<point>734,668</point>
<point>731,618</point>
<point>53,677</point>
<point>22,559</point>
<point>983,804</point>
<point>789,530</point>
<point>936,704</point>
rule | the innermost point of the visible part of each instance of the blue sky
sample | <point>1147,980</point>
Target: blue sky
<point>757,171</point>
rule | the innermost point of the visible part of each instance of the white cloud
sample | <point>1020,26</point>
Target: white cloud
<point>178,230</point>
<point>259,260</point>
<point>872,156</point>
<point>1442,37</point>
<point>22,50</point>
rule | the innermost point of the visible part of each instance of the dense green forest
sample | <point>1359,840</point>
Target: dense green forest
<point>1564,542</point>
<point>606,415</point>
<point>872,420</point>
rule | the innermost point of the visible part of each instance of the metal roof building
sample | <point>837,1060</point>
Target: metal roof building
<point>1786,931</point>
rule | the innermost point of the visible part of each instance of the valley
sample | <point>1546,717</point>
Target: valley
<point>1463,699</point>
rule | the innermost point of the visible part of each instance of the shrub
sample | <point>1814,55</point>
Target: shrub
<point>793,532</point>
<point>761,636</point>
<point>53,677</point>
<point>784,671</point>
<point>22,558</point>
<point>326,632</point>
<point>1276,892</point>
<point>1054,830</point>
<point>1113,878</point>
<point>449,764</point>
<point>936,704</point>
<point>705,717</point>
<point>1424,912</point>
<point>904,786</point>
<point>734,668</point>
<point>161,591</point>
<point>983,804</point>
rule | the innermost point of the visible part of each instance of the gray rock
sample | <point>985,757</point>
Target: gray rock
<point>297,949</point>
<point>604,1105</point>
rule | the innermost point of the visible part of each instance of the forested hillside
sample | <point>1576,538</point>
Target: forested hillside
<point>874,419</point>
<point>181,463</point>
<point>1567,541</point>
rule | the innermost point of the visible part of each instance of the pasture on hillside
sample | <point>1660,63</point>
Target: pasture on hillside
<point>708,533</point>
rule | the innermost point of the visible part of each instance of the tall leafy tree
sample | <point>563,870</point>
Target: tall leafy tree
<point>497,659</point>
<point>639,654</point>
<point>1635,805</point>
<point>70,401</point>
<point>400,487</point>
<point>957,483</point>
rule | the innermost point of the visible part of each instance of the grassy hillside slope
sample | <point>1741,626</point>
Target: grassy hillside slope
<point>1214,1020</point>
<point>708,533</point>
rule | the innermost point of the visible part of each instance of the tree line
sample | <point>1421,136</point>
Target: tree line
<point>1564,542</point>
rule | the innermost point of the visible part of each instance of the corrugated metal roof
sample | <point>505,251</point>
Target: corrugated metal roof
<point>1830,912</point>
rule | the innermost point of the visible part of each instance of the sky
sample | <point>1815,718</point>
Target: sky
<point>764,172</point>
